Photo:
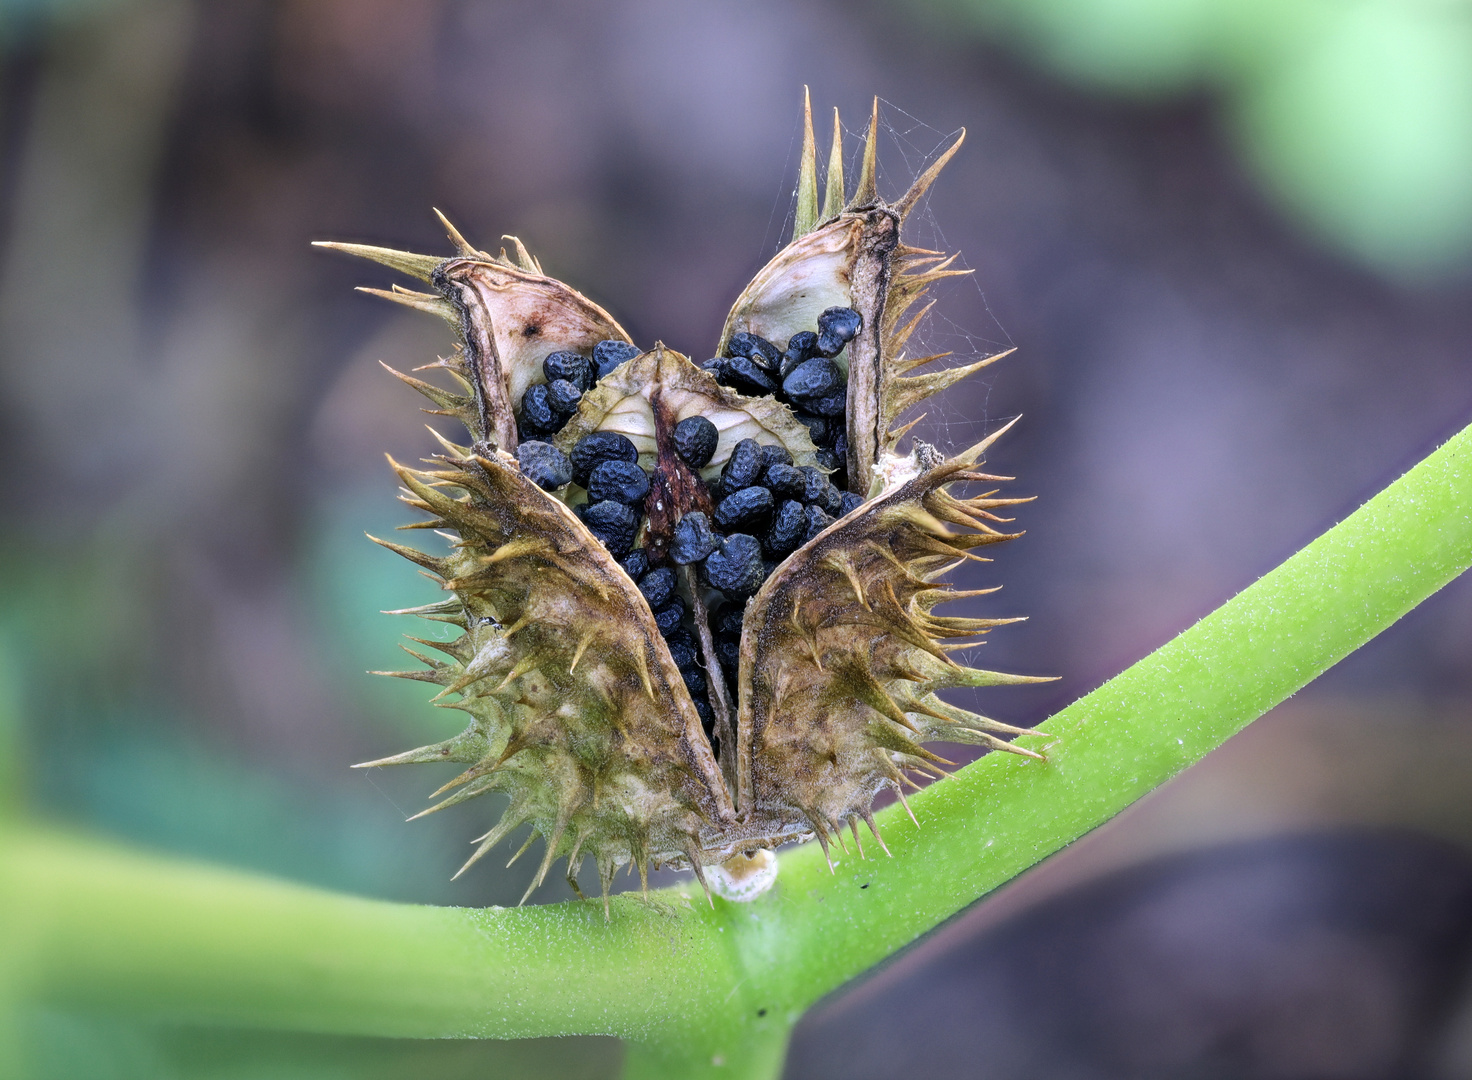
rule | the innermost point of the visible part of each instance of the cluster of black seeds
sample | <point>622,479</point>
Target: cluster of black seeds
<point>547,407</point>
<point>804,376</point>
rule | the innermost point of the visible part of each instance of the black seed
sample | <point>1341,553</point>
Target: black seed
<point>658,586</point>
<point>621,481</point>
<point>775,454</point>
<point>817,522</point>
<point>595,448</point>
<point>635,563</point>
<point>839,324</point>
<point>705,712</point>
<point>694,679</point>
<point>827,459</point>
<point>815,485</point>
<point>728,620</point>
<point>743,511</point>
<point>813,379</point>
<point>695,441</point>
<point>570,366</point>
<point>736,569</point>
<point>684,652</point>
<point>668,618</point>
<point>608,355</point>
<point>715,365</point>
<point>832,405</point>
<point>799,348</point>
<point>614,524</point>
<point>785,481</point>
<point>756,348</point>
<point>728,652</point>
<point>683,641</point>
<point>818,427</point>
<point>840,447</point>
<point>743,468</point>
<point>543,464</point>
<point>693,539</point>
<point>537,414</point>
<point>564,396</point>
<point>850,501</point>
<point>742,374</point>
<point>789,525</point>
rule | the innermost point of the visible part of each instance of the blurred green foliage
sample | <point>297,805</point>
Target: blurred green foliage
<point>1354,115</point>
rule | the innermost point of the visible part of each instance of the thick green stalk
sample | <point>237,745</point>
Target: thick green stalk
<point>701,990</point>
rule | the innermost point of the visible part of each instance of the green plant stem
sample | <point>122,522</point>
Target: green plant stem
<point>690,985</point>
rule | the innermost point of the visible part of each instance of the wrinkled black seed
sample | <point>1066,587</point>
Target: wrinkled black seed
<point>563,396</point>
<point>815,485</point>
<point>621,481</point>
<point>635,563</point>
<point>728,620</point>
<point>813,379</point>
<point>543,464</point>
<point>827,459</point>
<point>832,405</point>
<point>817,522</point>
<point>608,355</point>
<point>693,539</point>
<point>799,348</point>
<point>775,454</point>
<point>683,651</point>
<point>715,365</point>
<point>669,617</point>
<point>755,347</point>
<point>728,652</point>
<point>789,525</point>
<point>840,447</point>
<point>743,375</point>
<point>614,524</point>
<point>785,481</point>
<point>736,569</point>
<point>658,586</point>
<point>570,366</point>
<point>695,441</point>
<point>743,468</point>
<point>597,447</point>
<point>683,640</point>
<point>746,510</point>
<point>705,712</point>
<point>694,679</point>
<point>537,414</point>
<point>850,501</point>
<point>818,427</point>
<point>836,328</point>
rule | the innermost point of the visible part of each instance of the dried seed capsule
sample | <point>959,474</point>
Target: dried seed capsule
<point>608,355</point>
<point>563,396</point>
<point>693,539</point>
<point>635,563</point>
<point>537,414</point>
<point>850,501</point>
<point>570,366</point>
<point>743,468</point>
<point>669,617</point>
<point>742,374</point>
<point>695,441</point>
<point>775,454</point>
<point>621,481</point>
<point>785,481</point>
<point>813,379</point>
<point>736,569</point>
<point>744,511</point>
<point>658,586</point>
<point>817,522</point>
<point>789,525</point>
<point>543,464</point>
<point>614,524</point>
<point>799,348</point>
<point>837,326</point>
<point>594,449</point>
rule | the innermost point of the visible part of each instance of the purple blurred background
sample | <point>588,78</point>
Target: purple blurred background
<point>194,421</point>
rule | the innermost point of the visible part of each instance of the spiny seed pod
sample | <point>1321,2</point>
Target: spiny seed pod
<point>742,650</point>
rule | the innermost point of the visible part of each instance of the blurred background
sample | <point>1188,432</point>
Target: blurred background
<point>1231,240</point>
